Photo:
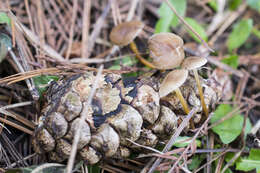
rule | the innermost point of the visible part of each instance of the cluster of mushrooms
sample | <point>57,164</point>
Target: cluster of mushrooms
<point>167,52</point>
<point>124,111</point>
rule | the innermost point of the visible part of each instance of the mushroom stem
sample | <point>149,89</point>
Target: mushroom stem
<point>184,105</point>
<point>138,56</point>
<point>182,100</point>
<point>202,100</point>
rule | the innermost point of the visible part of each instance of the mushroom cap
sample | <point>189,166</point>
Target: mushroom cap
<point>166,50</point>
<point>193,62</point>
<point>124,33</point>
<point>172,81</point>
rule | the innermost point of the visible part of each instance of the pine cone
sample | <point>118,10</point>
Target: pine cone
<point>122,111</point>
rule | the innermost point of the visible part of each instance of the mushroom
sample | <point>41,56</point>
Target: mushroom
<point>192,63</point>
<point>166,50</point>
<point>172,82</point>
<point>125,33</point>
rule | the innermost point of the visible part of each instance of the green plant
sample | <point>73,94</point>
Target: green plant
<point>229,129</point>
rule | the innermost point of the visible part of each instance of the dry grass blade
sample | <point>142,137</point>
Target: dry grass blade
<point>228,21</point>
<point>23,120</point>
<point>193,139</point>
<point>225,66</point>
<point>215,158</point>
<point>35,40</point>
<point>165,156</point>
<point>5,112</point>
<point>56,71</point>
<point>16,105</point>
<point>143,146</point>
<point>12,151</point>
<point>132,10</point>
<point>25,158</point>
<point>85,29</point>
<point>19,127</point>
<point>93,60</point>
<point>41,17</point>
<point>112,169</point>
<point>98,25</point>
<point>25,75</point>
<point>17,116</point>
<point>1,129</point>
<point>73,21</point>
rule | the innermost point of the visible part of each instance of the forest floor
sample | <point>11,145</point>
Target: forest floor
<point>42,41</point>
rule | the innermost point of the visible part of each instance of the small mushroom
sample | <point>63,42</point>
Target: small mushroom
<point>192,63</point>
<point>125,33</point>
<point>172,82</point>
<point>166,50</point>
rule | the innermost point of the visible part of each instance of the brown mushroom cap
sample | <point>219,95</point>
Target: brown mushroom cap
<point>126,32</point>
<point>193,62</point>
<point>166,50</point>
<point>172,81</point>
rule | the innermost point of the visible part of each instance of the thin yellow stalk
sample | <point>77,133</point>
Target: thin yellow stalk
<point>182,100</point>
<point>138,56</point>
<point>202,100</point>
<point>184,105</point>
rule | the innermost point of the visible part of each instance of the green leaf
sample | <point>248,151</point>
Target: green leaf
<point>5,43</point>
<point>183,141</point>
<point>180,7</point>
<point>250,163</point>
<point>254,154</point>
<point>256,32</point>
<point>231,60</point>
<point>4,19</point>
<point>229,156</point>
<point>213,4</point>
<point>228,171</point>
<point>196,161</point>
<point>198,28</point>
<point>233,4</point>
<point>239,34</point>
<point>255,4</point>
<point>94,169</point>
<point>43,81</point>
<point>163,25</point>
<point>126,61</point>
<point>167,17</point>
<point>229,129</point>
